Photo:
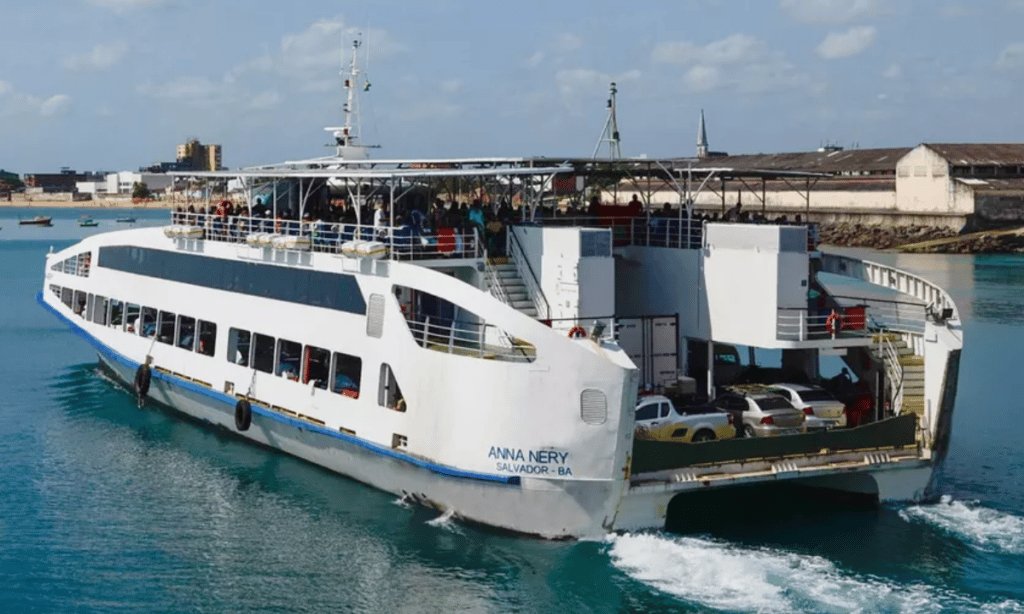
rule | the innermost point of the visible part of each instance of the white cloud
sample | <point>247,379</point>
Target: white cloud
<point>846,44</point>
<point>121,6</point>
<point>265,101</point>
<point>894,71</point>
<point>192,91</point>
<point>451,86</point>
<point>832,11</point>
<point>1011,57</point>
<point>569,42</point>
<point>54,105</point>
<point>100,57</point>
<point>535,59</point>
<point>740,62</point>
<point>4,87</point>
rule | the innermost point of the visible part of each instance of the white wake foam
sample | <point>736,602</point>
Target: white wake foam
<point>445,521</point>
<point>714,574</point>
<point>983,527</point>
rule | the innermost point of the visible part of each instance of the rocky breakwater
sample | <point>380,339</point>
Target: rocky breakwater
<point>924,239</point>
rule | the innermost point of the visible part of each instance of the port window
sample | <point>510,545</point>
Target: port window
<point>132,318</point>
<point>78,304</point>
<point>165,327</point>
<point>390,394</point>
<point>116,313</point>
<point>316,366</point>
<point>263,353</point>
<point>238,346</point>
<point>288,355</point>
<point>663,411</point>
<point>346,375</point>
<point>186,333</point>
<point>147,324</point>
<point>207,338</point>
<point>98,309</point>
<point>67,296</point>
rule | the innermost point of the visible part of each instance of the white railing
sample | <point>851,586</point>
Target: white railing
<point>893,374</point>
<point>469,339</point>
<point>496,288</point>
<point>934,299</point>
<point>400,242</point>
<point>798,325</point>
<point>655,231</point>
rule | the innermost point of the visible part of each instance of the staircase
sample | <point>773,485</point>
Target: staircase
<point>904,372</point>
<point>505,283</point>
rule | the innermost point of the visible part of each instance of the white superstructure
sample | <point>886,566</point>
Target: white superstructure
<point>405,354</point>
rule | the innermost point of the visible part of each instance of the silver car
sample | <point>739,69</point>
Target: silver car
<point>764,413</point>
<point>823,410</point>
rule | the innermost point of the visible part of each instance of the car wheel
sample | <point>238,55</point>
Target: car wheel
<point>748,431</point>
<point>703,435</point>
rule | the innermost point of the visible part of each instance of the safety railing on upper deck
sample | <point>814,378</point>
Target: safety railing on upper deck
<point>473,340</point>
<point>394,242</point>
<point>684,233</point>
<point>801,324</point>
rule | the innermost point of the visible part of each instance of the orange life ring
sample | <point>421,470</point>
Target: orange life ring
<point>834,323</point>
<point>577,332</point>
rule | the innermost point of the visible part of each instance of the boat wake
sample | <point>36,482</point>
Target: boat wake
<point>715,574</point>
<point>446,521</point>
<point>982,527</point>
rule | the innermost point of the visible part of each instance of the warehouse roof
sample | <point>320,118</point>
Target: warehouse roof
<point>980,154</point>
<point>827,161</point>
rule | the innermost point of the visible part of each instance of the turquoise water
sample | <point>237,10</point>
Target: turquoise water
<point>105,507</point>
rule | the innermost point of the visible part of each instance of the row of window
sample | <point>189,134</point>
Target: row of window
<point>78,264</point>
<point>181,331</point>
<point>335,371</point>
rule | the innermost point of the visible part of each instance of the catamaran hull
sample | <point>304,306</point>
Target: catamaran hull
<point>545,508</point>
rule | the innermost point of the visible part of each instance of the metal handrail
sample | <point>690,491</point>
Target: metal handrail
<point>329,237</point>
<point>531,281</point>
<point>468,339</point>
<point>894,373</point>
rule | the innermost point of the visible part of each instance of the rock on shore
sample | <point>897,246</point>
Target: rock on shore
<point>896,237</point>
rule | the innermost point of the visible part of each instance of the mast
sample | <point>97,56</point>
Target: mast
<point>610,134</point>
<point>347,137</point>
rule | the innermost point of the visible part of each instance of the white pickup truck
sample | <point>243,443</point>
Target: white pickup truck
<point>658,419</point>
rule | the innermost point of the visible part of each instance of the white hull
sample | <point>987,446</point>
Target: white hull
<point>553,510</point>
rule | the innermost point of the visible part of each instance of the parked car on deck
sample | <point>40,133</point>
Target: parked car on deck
<point>658,419</point>
<point>764,413</point>
<point>823,410</point>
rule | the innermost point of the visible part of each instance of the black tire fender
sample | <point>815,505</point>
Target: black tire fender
<point>143,377</point>
<point>243,415</point>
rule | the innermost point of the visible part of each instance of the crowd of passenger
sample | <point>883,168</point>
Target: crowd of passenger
<point>414,222</point>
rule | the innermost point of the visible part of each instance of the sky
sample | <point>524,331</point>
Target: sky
<point>117,84</point>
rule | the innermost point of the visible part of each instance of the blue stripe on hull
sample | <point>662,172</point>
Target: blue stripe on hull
<point>272,415</point>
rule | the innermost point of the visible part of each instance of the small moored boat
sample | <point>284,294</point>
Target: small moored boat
<point>87,222</point>
<point>126,220</point>
<point>39,220</point>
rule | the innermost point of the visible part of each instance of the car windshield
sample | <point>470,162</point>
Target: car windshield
<point>769,403</point>
<point>809,396</point>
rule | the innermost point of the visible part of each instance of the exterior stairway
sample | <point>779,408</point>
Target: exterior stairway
<point>909,367</point>
<point>506,284</point>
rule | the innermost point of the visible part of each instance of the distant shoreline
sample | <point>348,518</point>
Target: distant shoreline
<point>85,204</point>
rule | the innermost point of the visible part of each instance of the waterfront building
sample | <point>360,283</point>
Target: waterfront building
<point>194,156</point>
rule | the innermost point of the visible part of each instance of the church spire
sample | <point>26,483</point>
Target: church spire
<point>702,138</point>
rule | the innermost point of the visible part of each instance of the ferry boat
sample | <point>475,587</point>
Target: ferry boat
<point>484,358</point>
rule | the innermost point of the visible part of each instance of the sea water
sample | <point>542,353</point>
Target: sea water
<point>107,507</point>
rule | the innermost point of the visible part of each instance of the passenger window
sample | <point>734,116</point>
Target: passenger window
<point>186,333</point>
<point>207,338</point>
<point>132,318</point>
<point>99,310</point>
<point>263,353</point>
<point>288,353</point>
<point>116,313</point>
<point>67,296</point>
<point>165,328</point>
<point>647,412</point>
<point>147,327</point>
<point>79,303</point>
<point>317,365</point>
<point>238,346</point>
<point>390,395</point>
<point>664,410</point>
<point>346,375</point>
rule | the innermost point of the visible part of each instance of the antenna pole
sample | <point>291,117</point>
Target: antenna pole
<point>610,134</point>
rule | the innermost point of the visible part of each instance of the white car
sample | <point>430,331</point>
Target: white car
<point>658,419</point>
<point>823,410</point>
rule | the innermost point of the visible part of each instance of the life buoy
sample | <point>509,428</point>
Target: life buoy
<point>243,415</point>
<point>577,332</point>
<point>143,375</point>
<point>834,323</point>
